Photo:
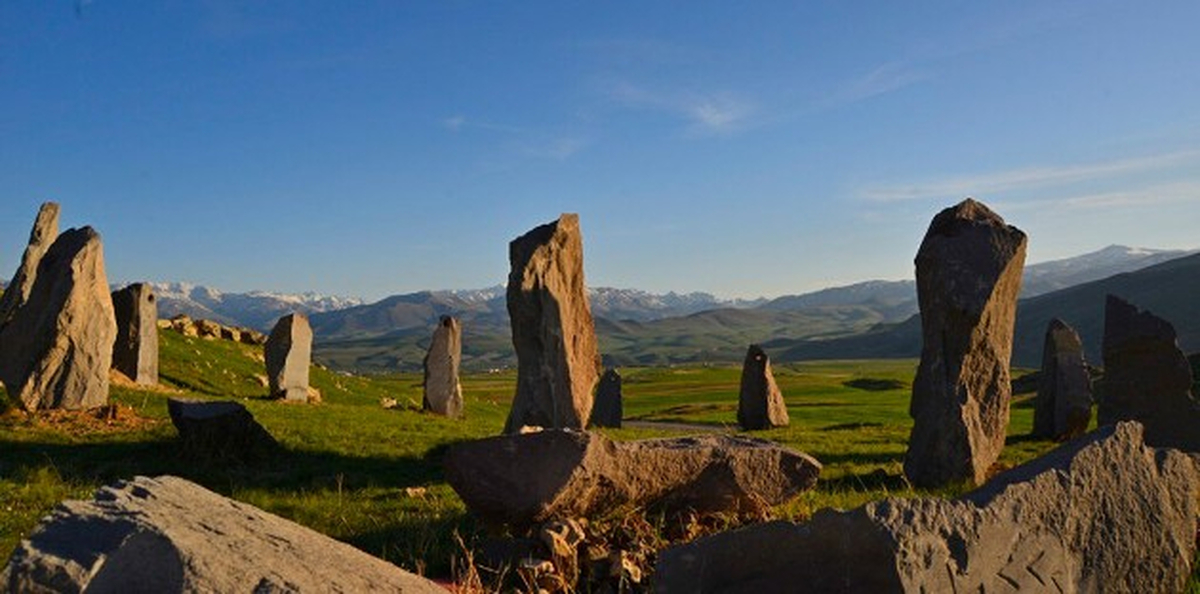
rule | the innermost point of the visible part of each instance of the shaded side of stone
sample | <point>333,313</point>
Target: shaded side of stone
<point>43,234</point>
<point>135,351</point>
<point>443,391</point>
<point>215,431</point>
<point>1063,408</point>
<point>608,409</point>
<point>760,403</point>
<point>287,354</point>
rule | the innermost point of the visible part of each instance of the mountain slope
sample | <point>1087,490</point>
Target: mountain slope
<point>256,309</point>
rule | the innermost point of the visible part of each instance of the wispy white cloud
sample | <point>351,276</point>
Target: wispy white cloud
<point>704,112</point>
<point>880,80</point>
<point>558,149</point>
<point>1185,191</point>
<point>454,123</point>
<point>458,122</point>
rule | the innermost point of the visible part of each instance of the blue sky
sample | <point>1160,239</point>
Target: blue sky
<point>744,149</point>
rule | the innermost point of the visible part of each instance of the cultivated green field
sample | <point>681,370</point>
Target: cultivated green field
<point>349,467</point>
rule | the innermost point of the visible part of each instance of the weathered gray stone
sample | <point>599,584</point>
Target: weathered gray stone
<point>222,430</point>
<point>166,534</point>
<point>43,234</point>
<point>288,353</point>
<point>1147,378</point>
<point>1103,513</point>
<point>1064,398</point>
<point>57,348</point>
<point>443,392</point>
<point>760,403</point>
<point>556,473</point>
<point>608,408</point>
<point>968,277</point>
<point>135,352</point>
<point>207,328</point>
<point>552,328</point>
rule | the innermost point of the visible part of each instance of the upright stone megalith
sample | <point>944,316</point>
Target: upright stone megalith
<point>1147,378</point>
<point>760,405</point>
<point>135,352</point>
<point>609,408</point>
<point>288,353</point>
<point>1064,396</point>
<point>443,392</point>
<point>968,276</point>
<point>552,328</point>
<point>57,348</point>
<point>43,234</point>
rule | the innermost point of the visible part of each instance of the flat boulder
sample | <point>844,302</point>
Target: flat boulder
<point>443,391</point>
<point>608,409</point>
<point>522,479</point>
<point>760,403</point>
<point>166,534</point>
<point>1063,408</point>
<point>219,430</point>
<point>135,351</point>
<point>1102,513</point>
<point>287,355</point>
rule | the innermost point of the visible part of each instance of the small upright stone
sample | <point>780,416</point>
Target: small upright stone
<point>552,329</point>
<point>43,234</point>
<point>288,352</point>
<point>760,405</point>
<point>443,392</point>
<point>968,277</point>
<point>1147,378</point>
<point>1064,397</point>
<point>608,408</point>
<point>135,352</point>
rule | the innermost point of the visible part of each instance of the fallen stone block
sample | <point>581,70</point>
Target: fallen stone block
<point>219,430</point>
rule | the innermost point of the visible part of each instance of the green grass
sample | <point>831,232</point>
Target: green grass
<point>347,465</point>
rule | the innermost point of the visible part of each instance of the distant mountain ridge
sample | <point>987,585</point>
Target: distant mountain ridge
<point>255,309</point>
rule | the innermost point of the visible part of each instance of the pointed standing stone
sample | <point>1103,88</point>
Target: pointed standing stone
<point>760,405</point>
<point>608,409</point>
<point>968,276</point>
<point>443,392</point>
<point>58,345</point>
<point>288,353</point>
<point>44,232</point>
<point>1147,378</point>
<point>135,352</point>
<point>552,328</point>
<point>1064,397</point>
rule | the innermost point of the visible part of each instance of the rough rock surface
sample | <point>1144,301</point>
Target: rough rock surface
<point>135,352</point>
<point>1147,378</point>
<point>1103,513</point>
<point>288,353</point>
<point>43,234</point>
<point>552,329</point>
<point>166,534</point>
<point>443,392</point>
<point>219,430</point>
<point>529,478</point>
<point>1064,396</point>
<point>968,277</point>
<point>760,403</point>
<point>57,348</point>
<point>608,409</point>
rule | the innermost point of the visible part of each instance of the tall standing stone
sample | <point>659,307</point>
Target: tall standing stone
<point>1147,378</point>
<point>443,392</point>
<point>552,328</point>
<point>287,353</point>
<point>608,409</point>
<point>135,352</point>
<point>760,405</point>
<point>57,348</point>
<point>43,234</point>
<point>968,276</point>
<point>1064,396</point>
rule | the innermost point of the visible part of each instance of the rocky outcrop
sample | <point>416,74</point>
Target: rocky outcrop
<point>135,352</point>
<point>1103,513</point>
<point>189,327</point>
<point>529,478</point>
<point>288,353</point>
<point>608,409</point>
<point>1147,378</point>
<point>43,234</point>
<point>552,328</point>
<point>166,534</point>
<point>222,430</point>
<point>57,348</point>
<point>443,392</point>
<point>1064,395</point>
<point>760,404</point>
<point>968,277</point>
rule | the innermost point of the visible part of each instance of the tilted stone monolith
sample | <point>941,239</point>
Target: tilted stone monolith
<point>1064,397</point>
<point>135,352</point>
<point>57,348</point>
<point>1147,378</point>
<point>552,329</point>
<point>443,392</point>
<point>288,353</point>
<point>760,405</point>
<point>968,277</point>
<point>608,409</point>
<point>43,234</point>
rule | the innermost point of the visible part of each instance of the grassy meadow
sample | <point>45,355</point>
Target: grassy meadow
<point>372,477</point>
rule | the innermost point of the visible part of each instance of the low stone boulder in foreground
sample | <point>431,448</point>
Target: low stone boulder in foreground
<point>1102,513</point>
<point>219,430</point>
<point>166,534</point>
<point>522,479</point>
